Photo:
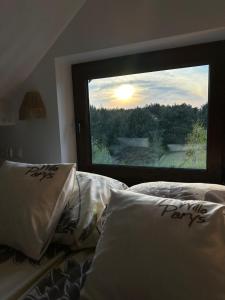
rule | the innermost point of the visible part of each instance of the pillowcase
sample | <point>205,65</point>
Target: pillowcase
<point>80,224</point>
<point>158,248</point>
<point>180,190</point>
<point>32,200</point>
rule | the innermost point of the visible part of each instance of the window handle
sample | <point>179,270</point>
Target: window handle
<point>79,127</point>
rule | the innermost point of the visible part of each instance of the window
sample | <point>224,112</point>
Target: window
<point>152,116</point>
<point>153,119</point>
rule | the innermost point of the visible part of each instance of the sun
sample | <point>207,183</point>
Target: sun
<point>124,91</point>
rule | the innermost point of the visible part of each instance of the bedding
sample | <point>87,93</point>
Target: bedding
<point>80,223</point>
<point>181,190</point>
<point>58,275</point>
<point>61,271</point>
<point>18,272</point>
<point>63,280</point>
<point>32,200</point>
<point>159,248</point>
<point>158,240</point>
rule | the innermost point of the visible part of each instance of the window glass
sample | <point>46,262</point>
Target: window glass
<point>154,119</point>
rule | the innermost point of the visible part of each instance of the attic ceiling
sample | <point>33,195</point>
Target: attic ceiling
<point>28,28</point>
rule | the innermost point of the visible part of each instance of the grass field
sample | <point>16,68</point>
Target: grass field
<point>136,156</point>
<point>180,160</point>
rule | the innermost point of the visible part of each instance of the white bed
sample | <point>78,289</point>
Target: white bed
<point>155,241</point>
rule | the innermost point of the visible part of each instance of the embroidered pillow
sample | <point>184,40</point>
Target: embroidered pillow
<point>32,200</point>
<point>80,224</point>
<point>158,248</point>
<point>182,190</point>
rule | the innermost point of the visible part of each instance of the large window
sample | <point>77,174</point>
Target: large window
<point>153,116</point>
<point>153,119</point>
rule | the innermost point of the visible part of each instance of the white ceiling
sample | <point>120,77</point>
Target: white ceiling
<point>28,28</point>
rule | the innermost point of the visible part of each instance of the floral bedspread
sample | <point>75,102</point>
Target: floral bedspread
<point>59,275</point>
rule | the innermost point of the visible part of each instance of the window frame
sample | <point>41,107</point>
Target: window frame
<point>204,54</point>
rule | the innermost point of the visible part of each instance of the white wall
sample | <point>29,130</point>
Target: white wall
<point>102,25</point>
<point>28,28</point>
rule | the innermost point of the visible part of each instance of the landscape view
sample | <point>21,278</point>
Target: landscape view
<point>156,119</point>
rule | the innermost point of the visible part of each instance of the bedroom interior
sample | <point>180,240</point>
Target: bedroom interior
<point>112,151</point>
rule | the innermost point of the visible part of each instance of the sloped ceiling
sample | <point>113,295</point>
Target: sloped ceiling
<point>28,28</point>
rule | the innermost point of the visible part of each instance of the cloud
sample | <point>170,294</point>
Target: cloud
<point>176,86</point>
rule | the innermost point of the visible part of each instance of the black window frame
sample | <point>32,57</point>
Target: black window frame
<point>211,54</point>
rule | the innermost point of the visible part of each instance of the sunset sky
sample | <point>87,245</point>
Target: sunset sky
<point>177,86</point>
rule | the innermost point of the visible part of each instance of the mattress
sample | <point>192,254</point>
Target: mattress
<point>60,273</point>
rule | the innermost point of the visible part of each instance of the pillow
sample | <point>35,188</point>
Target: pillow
<point>80,224</point>
<point>32,200</point>
<point>157,248</point>
<point>179,190</point>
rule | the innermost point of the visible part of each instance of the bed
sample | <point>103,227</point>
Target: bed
<point>93,238</point>
<point>59,273</point>
<point>55,267</point>
<point>62,280</point>
<point>18,273</point>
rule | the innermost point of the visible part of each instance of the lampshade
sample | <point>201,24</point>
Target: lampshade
<point>32,107</point>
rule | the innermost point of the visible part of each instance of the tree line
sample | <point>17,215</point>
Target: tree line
<point>167,124</point>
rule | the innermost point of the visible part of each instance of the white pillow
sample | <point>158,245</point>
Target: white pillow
<point>157,248</point>
<point>32,198</point>
<point>80,224</point>
<point>182,190</point>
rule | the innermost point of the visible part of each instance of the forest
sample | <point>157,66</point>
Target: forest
<point>155,135</point>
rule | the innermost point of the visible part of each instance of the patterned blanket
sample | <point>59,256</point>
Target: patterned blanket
<point>62,282</point>
<point>60,274</point>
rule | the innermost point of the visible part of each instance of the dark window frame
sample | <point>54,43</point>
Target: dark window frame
<point>211,54</point>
